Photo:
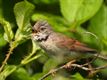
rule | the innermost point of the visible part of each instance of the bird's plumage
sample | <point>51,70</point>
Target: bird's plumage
<point>59,45</point>
<point>72,44</point>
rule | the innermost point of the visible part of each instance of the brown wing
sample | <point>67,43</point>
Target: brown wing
<point>73,45</point>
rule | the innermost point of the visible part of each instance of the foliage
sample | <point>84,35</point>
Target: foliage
<point>85,20</point>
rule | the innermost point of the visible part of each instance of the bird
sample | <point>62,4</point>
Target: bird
<point>59,46</point>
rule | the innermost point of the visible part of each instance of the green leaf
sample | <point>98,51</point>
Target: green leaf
<point>47,67</point>
<point>87,37</point>
<point>2,41</point>
<point>7,71</point>
<point>60,77</point>
<point>45,1</point>
<point>38,76</point>
<point>21,74</point>
<point>99,62</point>
<point>79,11</point>
<point>98,24</point>
<point>23,11</point>
<point>8,35</point>
<point>77,76</point>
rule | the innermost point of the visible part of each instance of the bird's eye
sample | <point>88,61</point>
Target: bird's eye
<point>34,31</point>
<point>43,28</point>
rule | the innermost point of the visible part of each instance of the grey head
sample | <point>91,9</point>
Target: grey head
<point>41,30</point>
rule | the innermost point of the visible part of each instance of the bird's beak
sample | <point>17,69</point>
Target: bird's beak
<point>33,34</point>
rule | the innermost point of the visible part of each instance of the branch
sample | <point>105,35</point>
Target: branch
<point>6,59</point>
<point>101,67</point>
<point>73,65</point>
<point>50,72</point>
<point>62,67</point>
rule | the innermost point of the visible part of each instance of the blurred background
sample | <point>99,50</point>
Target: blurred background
<point>84,20</point>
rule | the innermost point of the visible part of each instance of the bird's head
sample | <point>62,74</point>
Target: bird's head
<point>41,30</point>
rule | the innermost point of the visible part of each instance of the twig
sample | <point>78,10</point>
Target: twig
<point>101,67</point>
<point>62,67</point>
<point>6,59</point>
<point>73,65</point>
<point>50,72</point>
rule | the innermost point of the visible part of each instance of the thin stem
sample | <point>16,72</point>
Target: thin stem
<point>34,49</point>
<point>12,46</point>
<point>28,57</point>
<point>101,67</point>
<point>25,61</point>
<point>6,59</point>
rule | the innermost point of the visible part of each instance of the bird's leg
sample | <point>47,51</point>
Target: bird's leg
<point>68,65</point>
<point>89,65</point>
<point>92,71</point>
<point>53,72</point>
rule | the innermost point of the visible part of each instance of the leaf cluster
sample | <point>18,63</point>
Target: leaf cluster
<point>85,20</point>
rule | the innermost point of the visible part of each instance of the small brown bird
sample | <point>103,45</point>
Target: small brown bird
<point>59,46</point>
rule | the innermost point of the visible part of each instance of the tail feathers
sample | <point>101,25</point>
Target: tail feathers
<point>101,56</point>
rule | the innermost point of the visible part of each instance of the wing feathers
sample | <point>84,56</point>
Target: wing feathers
<point>73,45</point>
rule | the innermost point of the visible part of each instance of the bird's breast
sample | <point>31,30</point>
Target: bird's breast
<point>51,48</point>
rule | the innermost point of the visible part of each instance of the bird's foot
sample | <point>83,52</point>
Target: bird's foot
<point>53,72</point>
<point>68,65</point>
